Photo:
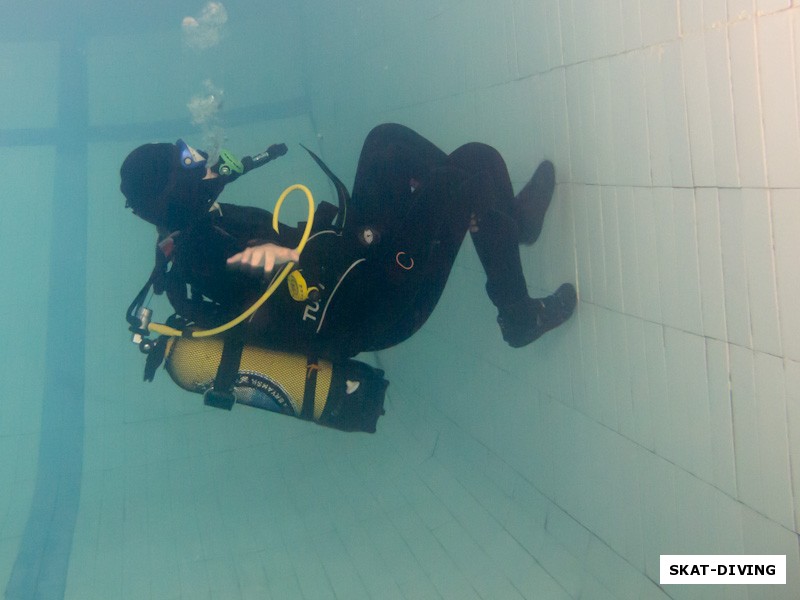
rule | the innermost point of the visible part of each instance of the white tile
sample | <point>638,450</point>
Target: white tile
<point>761,272</point>
<point>659,509</point>
<point>660,22</point>
<point>629,512</point>
<point>582,245</point>
<point>786,224</point>
<point>463,581</point>
<point>629,119</point>
<point>647,255</point>
<point>583,138</point>
<point>488,51</point>
<point>698,105</point>
<point>339,567</point>
<point>632,24</point>
<point>721,417</point>
<point>589,346</point>
<point>658,130</point>
<point>555,46</point>
<point>640,396</point>
<point>746,428</point>
<point>781,132</point>
<point>554,114</point>
<point>792,369</point>
<point>594,214</point>
<point>674,100</point>
<point>589,31</point>
<point>611,16</point>
<point>368,562</point>
<point>523,570</point>
<point>773,439</point>
<point>794,17</point>
<point>626,220</point>
<point>740,9</point>
<point>734,267</point>
<point>669,278</point>
<point>721,101</point>
<point>658,384</point>
<point>686,261</point>
<point>712,291</point>
<point>606,363</point>
<point>715,13</point>
<point>621,383</point>
<point>613,571</point>
<point>747,114</point>
<point>606,135</point>
<point>418,586</point>
<point>688,415</point>
<point>570,533</point>
<point>532,46</point>
<point>611,247</point>
<point>567,27</point>
<point>765,7</point>
<point>691,15</point>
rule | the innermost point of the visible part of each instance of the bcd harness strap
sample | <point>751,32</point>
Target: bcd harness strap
<point>221,395</point>
<point>310,391</point>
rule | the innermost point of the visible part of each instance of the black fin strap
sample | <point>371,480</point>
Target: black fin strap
<point>221,395</point>
<point>341,190</point>
<point>310,391</point>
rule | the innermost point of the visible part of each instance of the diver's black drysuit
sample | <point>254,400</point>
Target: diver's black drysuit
<point>381,274</point>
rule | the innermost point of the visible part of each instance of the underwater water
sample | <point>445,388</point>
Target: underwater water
<point>663,418</point>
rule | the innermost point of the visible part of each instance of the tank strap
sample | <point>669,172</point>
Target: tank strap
<point>310,391</point>
<point>221,395</point>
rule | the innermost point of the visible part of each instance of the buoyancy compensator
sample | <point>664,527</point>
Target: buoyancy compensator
<point>345,394</point>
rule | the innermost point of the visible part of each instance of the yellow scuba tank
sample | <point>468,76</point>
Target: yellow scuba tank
<point>346,395</point>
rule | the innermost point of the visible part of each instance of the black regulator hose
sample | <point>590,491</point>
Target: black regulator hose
<point>231,169</point>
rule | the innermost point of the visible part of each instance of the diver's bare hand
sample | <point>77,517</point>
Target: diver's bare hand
<point>261,260</point>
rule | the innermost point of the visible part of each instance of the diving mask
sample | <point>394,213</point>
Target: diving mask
<point>191,158</point>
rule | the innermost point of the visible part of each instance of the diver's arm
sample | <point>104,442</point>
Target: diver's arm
<point>262,259</point>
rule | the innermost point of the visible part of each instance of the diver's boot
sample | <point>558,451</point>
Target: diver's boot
<point>530,205</point>
<point>527,320</point>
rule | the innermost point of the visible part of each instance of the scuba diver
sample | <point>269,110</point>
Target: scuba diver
<point>373,269</point>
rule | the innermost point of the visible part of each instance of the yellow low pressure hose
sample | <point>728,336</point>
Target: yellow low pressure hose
<point>171,331</point>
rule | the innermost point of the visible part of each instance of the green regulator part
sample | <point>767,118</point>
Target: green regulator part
<point>229,163</point>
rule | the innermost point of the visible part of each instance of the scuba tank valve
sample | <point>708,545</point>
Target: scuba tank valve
<point>140,328</point>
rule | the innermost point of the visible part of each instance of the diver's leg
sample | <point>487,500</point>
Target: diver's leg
<point>522,319</point>
<point>394,161</point>
<point>414,265</point>
<point>528,208</point>
<point>488,192</point>
<point>531,204</point>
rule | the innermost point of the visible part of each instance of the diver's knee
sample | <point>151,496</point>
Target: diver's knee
<point>385,131</point>
<point>476,153</point>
